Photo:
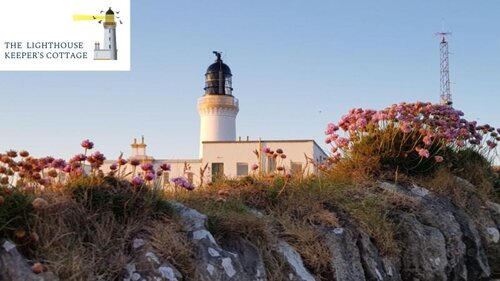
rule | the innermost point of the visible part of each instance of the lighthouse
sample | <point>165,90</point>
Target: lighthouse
<point>217,107</point>
<point>108,50</point>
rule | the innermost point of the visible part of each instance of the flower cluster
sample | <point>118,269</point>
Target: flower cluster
<point>76,165</point>
<point>402,129</point>
<point>22,170</point>
<point>274,159</point>
<point>30,172</point>
<point>183,182</point>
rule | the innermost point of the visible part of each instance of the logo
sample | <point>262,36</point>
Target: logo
<point>64,35</point>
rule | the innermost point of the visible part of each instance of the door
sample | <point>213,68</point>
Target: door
<point>217,171</point>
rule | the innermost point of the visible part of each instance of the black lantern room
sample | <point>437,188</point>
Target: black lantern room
<point>218,78</point>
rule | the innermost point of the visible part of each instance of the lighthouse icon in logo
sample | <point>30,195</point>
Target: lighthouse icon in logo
<point>107,51</point>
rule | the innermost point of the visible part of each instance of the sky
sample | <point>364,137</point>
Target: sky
<point>297,65</point>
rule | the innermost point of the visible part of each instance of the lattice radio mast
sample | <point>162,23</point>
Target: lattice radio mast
<point>445,69</point>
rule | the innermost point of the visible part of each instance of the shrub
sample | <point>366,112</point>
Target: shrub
<point>411,137</point>
<point>16,212</point>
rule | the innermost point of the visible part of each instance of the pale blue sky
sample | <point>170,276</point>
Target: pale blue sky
<point>297,65</point>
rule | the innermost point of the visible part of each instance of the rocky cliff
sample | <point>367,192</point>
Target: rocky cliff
<point>436,239</point>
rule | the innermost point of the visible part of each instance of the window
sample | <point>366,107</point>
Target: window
<point>296,167</point>
<point>217,171</point>
<point>229,86</point>
<point>241,169</point>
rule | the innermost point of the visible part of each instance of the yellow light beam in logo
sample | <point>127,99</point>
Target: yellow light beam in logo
<point>88,17</point>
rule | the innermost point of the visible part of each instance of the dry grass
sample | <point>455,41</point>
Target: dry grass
<point>85,230</point>
<point>356,168</point>
<point>308,242</point>
<point>447,184</point>
<point>373,214</point>
<point>80,245</point>
<point>172,244</point>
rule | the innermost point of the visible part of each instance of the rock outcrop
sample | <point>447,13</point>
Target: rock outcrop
<point>298,271</point>
<point>147,265</point>
<point>345,257</point>
<point>13,266</point>
<point>214,263</point>
<point>441,241</point>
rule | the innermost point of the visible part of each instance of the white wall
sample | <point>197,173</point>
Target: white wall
<point>217,118</point>
<point>231,153</point>
<point>218,127</point>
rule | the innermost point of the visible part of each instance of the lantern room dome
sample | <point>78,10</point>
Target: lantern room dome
<point>218,79</point>
<point>219,66</point>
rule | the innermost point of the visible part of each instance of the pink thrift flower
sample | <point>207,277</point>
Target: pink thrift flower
<point>423,153</point>
<point>255,167</point>
<point>135,162</point>
<point>149,177</point>
<point>188,186</point>
<point>113,167</point>
<point>78,158</point>
<point>427,140</point>
<point>331,128</point>
<point>438,158</point>
<point>405,128</point>
<point>67,169</point>
<point>98,156</point>
<point>147,167</point>
<point>58,164</point>
<point>361,123</point>
<point>183,182</point>
<point>87,144</point>
<point>342,142</point>
<point>166,167</point>
<point>137,181</point>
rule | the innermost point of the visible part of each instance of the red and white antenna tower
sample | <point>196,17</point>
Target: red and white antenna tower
<point>445,69</point>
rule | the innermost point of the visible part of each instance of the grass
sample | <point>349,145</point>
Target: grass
<point>169,242</point>
<point>15,213</point>
<point>87,229</point>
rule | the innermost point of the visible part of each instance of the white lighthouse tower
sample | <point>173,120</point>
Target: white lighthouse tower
<point>108,50</point>
<point>217,108</point>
